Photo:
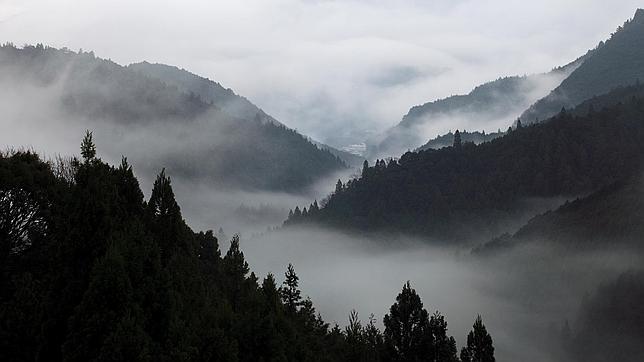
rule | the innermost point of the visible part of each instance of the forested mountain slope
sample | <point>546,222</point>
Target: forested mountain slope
<point>609,217</point>
<point>617,62</point>
<point>489,106</point>
<point>225,99</point>
<point>467,191</point>
<point>140,112</point>
<point>447,139</point>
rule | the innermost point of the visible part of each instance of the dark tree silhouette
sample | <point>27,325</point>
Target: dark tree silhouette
<point>407,331</point>
<point>457,140</point>
<point>291,294</point>
<point>88,149</point>
<point>479,344</point>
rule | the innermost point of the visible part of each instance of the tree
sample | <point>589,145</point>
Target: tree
<point>291,295</point>
<point>162,202</point>
<point>444,346</point>
<point>407,331</point>
<point>88,149</point>
<point>338,186</point>
<point>457,140</point>
<point>365,168</point>
<point>479,344</point>
<point>519,125</point>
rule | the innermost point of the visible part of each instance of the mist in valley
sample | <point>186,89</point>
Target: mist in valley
<point>540,299</point>
<point>525,295</point>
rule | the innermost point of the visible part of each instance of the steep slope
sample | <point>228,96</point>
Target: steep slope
<point>472,192</point>
<point>606,218</point>
<point>224,98</point>
<point>618,61</point>
<point>490,106</point>
<point>208,90</point>
<point>160,124</point>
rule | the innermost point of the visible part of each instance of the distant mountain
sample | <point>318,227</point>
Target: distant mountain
<point>224,98</point>
<point>493,105</point>
<point>193,126</point>
<point>617,62</point>
<point>209,91</point>
<point>447,140</point>
<point>471,192</point>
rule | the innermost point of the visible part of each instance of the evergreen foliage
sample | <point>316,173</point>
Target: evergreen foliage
<point>479,346</point>
<point>90,271</point>
<point>434,193</point>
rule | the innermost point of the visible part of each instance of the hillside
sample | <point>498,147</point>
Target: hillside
<point>606,218</point>
<point>133,109</point>
<point>224,98</point>
<point>447,139</point>
<point>474,191</point>
<point>616,62</point>
<point>90,271</point>
<point>489,106</point>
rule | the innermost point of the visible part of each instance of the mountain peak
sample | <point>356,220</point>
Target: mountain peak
<point>639,16</point>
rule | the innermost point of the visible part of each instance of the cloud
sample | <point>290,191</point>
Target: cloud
<point>338,71</point>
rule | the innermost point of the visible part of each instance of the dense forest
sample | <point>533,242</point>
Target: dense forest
<point>616,62</point>
<point>447,139</point>
<point>469,190</point>
<point>227,150</point>
<point>89,270</point>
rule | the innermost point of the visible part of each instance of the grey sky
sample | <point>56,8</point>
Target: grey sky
<point>335,70</point>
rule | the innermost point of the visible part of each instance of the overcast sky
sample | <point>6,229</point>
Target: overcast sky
<point>335,70</point>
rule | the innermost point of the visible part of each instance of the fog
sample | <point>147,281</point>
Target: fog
<point>524,295</point>
<point>493,109</point>
<point>338,71</point>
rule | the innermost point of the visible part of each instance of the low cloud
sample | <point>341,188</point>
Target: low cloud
<point>338,71</point>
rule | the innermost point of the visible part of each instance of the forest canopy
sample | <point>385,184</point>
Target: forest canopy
<point>92,271</point>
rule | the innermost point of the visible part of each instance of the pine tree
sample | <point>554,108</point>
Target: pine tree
<point>444,346</point>
<point>162,202</point>
<point>88,149</point>
<point>407,331</point>
<point>291,295</point>
<point>365,168</point>
<point>457,140</point>
<point>338,187</point>
<point>479,344</point>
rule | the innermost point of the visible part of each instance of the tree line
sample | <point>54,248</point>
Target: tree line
<point>91,271</point>
<point>469,191</point>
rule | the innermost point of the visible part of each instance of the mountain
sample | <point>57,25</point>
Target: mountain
<point>208,90</point>
<point>196,128</point>
<point>490,106</point>
<point>223,98</point>
<point>618,61</point>
<point>469,192</point>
